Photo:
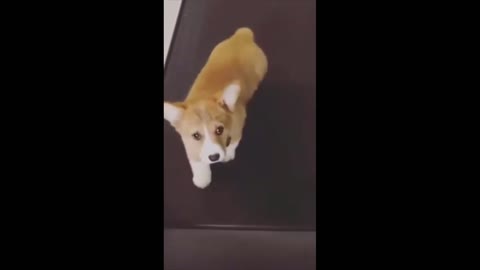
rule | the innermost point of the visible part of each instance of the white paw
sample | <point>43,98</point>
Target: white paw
<point>202,178</point>
<point>229,155</point>
<point>202,181</point>
<point>202,175</point>
<point>230,152</point>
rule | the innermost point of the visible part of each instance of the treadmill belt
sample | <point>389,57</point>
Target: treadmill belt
<point>271,184</point>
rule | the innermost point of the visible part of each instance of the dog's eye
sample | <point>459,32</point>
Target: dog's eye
<point>197,136</point>
<point>219,130</point>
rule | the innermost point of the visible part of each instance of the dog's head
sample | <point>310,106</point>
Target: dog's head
<point>204,124</point>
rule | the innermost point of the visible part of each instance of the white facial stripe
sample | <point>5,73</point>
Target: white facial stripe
<point>209,148</point>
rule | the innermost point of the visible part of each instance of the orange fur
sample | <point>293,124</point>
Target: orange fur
<point>236,59</point>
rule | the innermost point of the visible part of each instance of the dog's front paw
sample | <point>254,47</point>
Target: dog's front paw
<point>202,175</point>
<point>230,152</point>
<point>202,181</point>
<point>229,155</point>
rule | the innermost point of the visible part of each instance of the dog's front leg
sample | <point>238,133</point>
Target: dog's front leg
<point>202,175</point>
<point>230,151</point>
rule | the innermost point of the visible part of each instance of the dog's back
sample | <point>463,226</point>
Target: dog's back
<point>236,59</point>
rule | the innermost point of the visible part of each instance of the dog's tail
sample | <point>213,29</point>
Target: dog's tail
<point>244,33</point>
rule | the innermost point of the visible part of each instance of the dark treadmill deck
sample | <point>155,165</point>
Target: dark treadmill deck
<point>271,185</point>
<point>238,250</point>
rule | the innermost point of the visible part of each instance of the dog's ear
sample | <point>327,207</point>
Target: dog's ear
<point>230,96</point>
<point>172,112</point>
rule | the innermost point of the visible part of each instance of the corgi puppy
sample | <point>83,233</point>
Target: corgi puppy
<point>210,120</point>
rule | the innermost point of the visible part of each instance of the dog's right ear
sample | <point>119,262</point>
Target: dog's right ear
<point>172,112</point>
<point>230,96</point>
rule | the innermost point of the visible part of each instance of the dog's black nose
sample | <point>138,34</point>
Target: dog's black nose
<point>214,157</point>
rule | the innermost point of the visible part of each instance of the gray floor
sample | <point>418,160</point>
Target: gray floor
<point>230,250</point>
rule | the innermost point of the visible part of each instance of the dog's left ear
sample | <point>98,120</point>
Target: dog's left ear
<point>230,95</point>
